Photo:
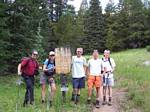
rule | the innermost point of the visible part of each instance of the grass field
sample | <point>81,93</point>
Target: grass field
<point>130,71</point>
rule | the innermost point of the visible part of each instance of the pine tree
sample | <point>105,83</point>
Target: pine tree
<point>94,28</point>
<point>23,24</point>
<point>136,23</point>
<point>116,26</point>
<point>5,54</point>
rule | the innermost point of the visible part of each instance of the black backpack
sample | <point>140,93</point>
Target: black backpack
<point>50,73</point>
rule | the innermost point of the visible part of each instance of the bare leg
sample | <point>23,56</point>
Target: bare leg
<point>53,90</point>
<point>110,91</point>
<point>43,92</point>
<point>97,93</point>
<point>110,95</point>
<point>89,92</point>
<point>104,94</point>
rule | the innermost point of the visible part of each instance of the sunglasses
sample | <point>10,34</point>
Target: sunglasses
<point>35,54</point>
<point>51,55</point>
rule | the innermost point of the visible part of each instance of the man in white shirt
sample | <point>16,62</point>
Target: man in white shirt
<point>78,74</point>
<point>108,80</point>
<point>94,76</point>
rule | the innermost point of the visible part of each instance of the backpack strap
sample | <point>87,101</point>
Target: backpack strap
<point>49,61</point>
<point>109,62</point>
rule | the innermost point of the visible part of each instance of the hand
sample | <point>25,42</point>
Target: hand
<point>54,67</point>
<point>19,73</point>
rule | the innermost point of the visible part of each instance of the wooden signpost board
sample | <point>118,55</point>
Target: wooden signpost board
<point>62,60</point>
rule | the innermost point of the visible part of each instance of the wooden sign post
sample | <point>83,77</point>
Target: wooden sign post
<point>63,66</point>
<point>62,60</point>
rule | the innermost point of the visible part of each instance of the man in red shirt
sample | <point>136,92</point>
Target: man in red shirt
<point>28,68</point>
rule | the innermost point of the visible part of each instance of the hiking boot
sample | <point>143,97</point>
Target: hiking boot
<point>77,99</point>
<point>104,103</point>
<point>97,104</point>
<point>88,101</point>
<point>32,103</point>
<point>72,98</point>
<point>109,103</point>
<point>104,100</point>
<point>25,103</point>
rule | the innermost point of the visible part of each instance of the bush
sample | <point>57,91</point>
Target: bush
<point>148,48</point>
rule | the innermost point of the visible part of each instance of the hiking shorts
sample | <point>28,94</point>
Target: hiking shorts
<point>94,81</point>
<point>108,81</point>
<point>46,79</point>
<point>78,83</point>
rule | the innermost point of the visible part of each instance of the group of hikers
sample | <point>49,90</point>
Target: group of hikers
<point>97,71</point>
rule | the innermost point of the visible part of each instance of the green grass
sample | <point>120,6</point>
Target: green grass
<point>135,76</point>
<point>130,72</point>
<point>9,98</point>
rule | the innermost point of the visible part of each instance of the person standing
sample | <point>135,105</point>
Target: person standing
<point>78,74</point>
<point>48,76</point>
<point>94,77</point>
<point>28,68</point>
<point>108,79</point>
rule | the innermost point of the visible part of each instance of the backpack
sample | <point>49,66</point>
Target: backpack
<point>49,73</point>
<point>24,59</point>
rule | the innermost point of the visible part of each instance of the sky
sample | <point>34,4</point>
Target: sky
<point>77,3</point>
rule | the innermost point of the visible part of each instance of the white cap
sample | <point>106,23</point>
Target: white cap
<point>51,53</point>
<point>35,52</point>
<point>107,51</point>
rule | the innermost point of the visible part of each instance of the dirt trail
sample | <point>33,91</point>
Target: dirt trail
<point>119,95</point>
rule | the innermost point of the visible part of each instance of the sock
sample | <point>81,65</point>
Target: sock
<point>104,98</point>
<point>73,96</point>
<point>109,99</point>
<point>89,98</point>
<point>77,97</point>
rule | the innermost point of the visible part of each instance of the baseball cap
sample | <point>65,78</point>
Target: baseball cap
<point>51,53</point>
<point>35,52</point>
<point>107,51</point>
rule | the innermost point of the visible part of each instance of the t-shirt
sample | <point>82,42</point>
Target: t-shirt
<point>78,64</point>
<point>95,66</point>
<point>51,64</point>
<point>109,67</point>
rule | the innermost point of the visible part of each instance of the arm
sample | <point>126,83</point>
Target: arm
<point>45,68</point>
<point>113,64</point>
<point>85,66</point>
<point>85,69</point>
<point>19,69</point>
<point>88,71</point>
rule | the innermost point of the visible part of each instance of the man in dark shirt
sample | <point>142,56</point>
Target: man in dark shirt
<point>28,68</point>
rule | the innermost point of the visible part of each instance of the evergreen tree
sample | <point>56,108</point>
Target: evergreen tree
<point>94,28</point>
<point>116,26</point>
<point>23,24</point>
<point>136,23</point>
<point>5,54</point>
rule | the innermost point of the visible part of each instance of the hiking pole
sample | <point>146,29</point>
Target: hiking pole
<point>18,83</point>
